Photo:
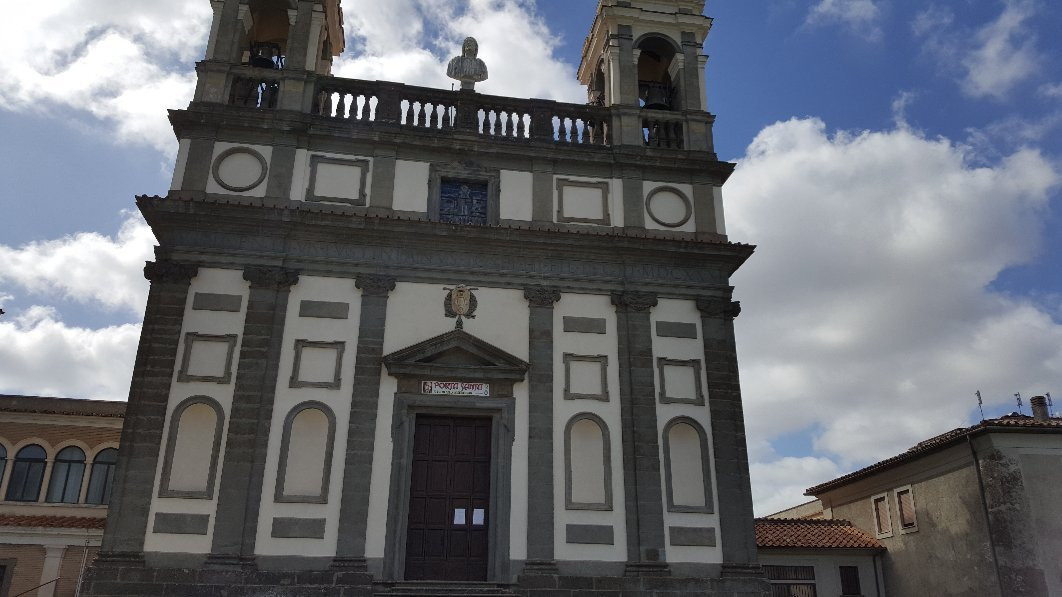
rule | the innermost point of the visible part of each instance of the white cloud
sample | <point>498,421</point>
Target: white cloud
<point>868,314</point>
<point>86,267</point>
<point>859,16</point>
<point>41,355</point>
<point>990,61</point>
<point>780,484</point>
<point>1051,90</point>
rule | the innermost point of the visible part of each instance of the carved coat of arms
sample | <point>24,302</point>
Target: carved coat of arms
<point>461,303</point>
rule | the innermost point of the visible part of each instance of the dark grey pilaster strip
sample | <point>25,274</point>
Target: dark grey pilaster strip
<point>181,524</point>
<point>228,45</point>
<point>361,428</point>
<point>240,490</point>
<point>589,534</point>
<point>197,167</point>
<point>704,210</point>
<point>736,527</point>
<point>641,451</point>
<point>540,554</point>
<point>297,45</point>
<point>542,191</point>
<point>627,66</point>
<point>145,415</point>
<point>382,193</point>
<point>633,201</point>
<point>691,81</point>
<point>281,171</point>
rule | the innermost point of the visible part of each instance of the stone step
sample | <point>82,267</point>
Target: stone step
<point>441,588</point>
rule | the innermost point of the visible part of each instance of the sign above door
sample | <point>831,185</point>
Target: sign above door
<point>454,388</point>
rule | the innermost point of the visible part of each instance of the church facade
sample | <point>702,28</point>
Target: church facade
<point>405,341</point>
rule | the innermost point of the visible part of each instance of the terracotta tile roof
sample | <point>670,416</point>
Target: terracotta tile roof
<point>61,406</point>
<point>775,533</point>
<point>52,522</point>
<point>1009,423</point>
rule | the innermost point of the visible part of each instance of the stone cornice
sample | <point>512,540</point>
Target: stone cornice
<point>719,308</point>
<point>374,285</point>
<point>166,271</point>
<point>269,277</point>
<point>634,301</point>
<point>541,296</point>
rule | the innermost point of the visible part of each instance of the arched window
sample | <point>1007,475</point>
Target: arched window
<point>306,454</point>
<point>27,474</point>
<point>688,475</point>
<point>192,446</point>
<point>587,464</point>
<point>67,472</point>
<point>99,489</point>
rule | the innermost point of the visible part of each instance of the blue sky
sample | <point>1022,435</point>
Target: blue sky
<point>900,164</point>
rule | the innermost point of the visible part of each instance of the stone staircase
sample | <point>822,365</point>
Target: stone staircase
<point>431,588</point>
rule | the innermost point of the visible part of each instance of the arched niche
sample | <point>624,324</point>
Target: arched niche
<point>656,89</point>
<point>687,469</point>
<point>306,447</point>
<point>190,464</point>
<point>587,464</point>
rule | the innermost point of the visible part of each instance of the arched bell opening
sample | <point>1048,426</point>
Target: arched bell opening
<point>267,39</point>
<point>595,91</point>
<point>656,91</point>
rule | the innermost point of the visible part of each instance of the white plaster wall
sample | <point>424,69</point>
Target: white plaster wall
<point>717,204</point>
<point>411,186</point>
<point>258,191</point>
<point>300,176</point>
<point>219,281</point>
<point>649,186</point>
<point>615,197</point>
<point>587,305</point>
<point>311,288</point>
<point>516,195</point>
<point>181,165</point>
<point>415,313</point>
<point>684,311</point>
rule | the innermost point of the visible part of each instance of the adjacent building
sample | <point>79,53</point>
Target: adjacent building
<point>973,511</point>
<point>819,558</point>
<point>399,335</point>
<point>57,461</point>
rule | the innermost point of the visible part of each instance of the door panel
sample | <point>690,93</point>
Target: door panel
<point>449,496</point>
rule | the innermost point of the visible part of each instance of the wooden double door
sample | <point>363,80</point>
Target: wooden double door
<point>449,499</point>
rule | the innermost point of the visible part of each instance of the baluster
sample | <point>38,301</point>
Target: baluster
<point>520,127</point>
<point>429,115</point>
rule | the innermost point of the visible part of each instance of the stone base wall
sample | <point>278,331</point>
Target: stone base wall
<point>127,580</point>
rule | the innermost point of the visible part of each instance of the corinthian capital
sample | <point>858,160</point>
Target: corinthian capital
<point>374,284</point>
<point>167,271</point>
<point>634,301</point>
<point>719,308</point>
<point>270,277</point>
<point>541,296</point>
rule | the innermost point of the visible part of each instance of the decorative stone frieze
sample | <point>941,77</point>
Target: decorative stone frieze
<point>172,272</point>
<point>375,284</point>
<point>270,277</point>
<point>634,301</point>
<point>541,296</point>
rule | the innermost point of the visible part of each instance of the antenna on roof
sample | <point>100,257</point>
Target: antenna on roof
<point>980,404</point>
<point>1018,396</point>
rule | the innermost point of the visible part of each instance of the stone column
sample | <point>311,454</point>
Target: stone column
<point>145,415</point>
<point>736,526</point>
<point>643,496</point>
<point>240,490</point>
<point>361,428</point>
<point>540,556</point>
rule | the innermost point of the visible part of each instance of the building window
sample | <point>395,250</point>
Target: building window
<point>306,454</point>
<point>882,517</point>
<point>99,489</point>
<point>850,582</point>
<point>587,464</point>
<point>686,469</point>
<point>791,581</point>
<point>905,502</point>
<point>192,447</point>
<point>463,201</point>
<point>67,473</point>
<point>27,474</point>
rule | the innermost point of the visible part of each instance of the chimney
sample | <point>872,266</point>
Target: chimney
<point>1039,408</point>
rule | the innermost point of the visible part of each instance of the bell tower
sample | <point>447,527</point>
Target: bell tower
<point>645,58</point>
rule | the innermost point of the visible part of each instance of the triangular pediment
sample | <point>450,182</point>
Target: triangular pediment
<point>455,355</point>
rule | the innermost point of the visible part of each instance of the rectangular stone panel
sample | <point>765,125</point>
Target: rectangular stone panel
<point>298,528</point>
<point>584,325</point>
<point>589,534</point>
<point>324,309</point>
<point>181,524</point>
<point>674,329</point>
<point>209,301</point>
<point>692,536</point>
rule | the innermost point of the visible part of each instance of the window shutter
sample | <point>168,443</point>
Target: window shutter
<point>907,510</point>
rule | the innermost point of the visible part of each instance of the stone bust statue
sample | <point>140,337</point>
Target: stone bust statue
<point>467,67</point>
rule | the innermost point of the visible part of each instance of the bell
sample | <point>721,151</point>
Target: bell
<point>262,56</point>
<point>656,96</point>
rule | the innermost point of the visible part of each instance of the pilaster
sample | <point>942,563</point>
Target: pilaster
<point>361,428</point>
<point>145,415</point>
<point>641,453</point>
<point>540,523</point>
<point>240,489</point>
